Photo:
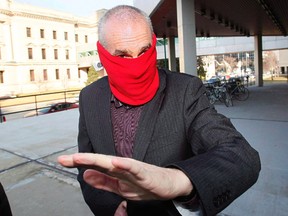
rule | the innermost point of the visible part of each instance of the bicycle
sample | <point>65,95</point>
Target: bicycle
<point>237,90</point>
<point>215,92</point>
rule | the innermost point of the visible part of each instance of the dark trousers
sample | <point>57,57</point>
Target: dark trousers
<point>5,209</point>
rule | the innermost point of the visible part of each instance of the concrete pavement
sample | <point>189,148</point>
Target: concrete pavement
<point>37,186</point>
<point>263,120</point>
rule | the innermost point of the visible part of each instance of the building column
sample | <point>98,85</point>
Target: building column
<point>187,36</point>
<point>172,54</point>
<point>258,60</point>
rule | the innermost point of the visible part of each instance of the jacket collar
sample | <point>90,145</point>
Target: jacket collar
<point>147,121</point>
<point>146,124</point>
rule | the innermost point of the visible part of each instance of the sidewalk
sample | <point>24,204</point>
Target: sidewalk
<point>37,186</point>
<point>263,120</point>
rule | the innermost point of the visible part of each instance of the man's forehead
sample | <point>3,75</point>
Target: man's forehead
<point>114,22</point>
<point>123,36</point>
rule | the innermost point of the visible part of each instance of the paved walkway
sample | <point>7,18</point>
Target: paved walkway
<point>37,186</point>
<point>263,120</point>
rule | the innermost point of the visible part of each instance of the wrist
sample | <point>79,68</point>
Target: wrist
<point>182,184</point>
<point>188,198</point>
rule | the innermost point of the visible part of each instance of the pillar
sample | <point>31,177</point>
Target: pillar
<point>172,54</point>
<point>258,60</point>
<point>187,36</point>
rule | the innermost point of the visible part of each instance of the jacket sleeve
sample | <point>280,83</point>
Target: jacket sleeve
<point>100,202</point>
<point>4,203</point>
<point>224,165</point>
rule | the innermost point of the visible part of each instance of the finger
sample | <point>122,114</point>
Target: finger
<point>112,184</point>
<point>100,180</point>
<point>87,160</point>
<point>66,160</point>
<point>90,159</point>
<point>129,167</point>
<point>73,160</point>
<point>121,210</point>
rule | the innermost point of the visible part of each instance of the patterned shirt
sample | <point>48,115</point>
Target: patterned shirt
<point>125,120</point>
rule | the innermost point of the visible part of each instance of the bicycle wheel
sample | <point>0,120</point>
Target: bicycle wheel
<point>228,100</point>
<point>210,95</point>
<point>222,97</point>
<point>243,94</point>
<point>212,99</point>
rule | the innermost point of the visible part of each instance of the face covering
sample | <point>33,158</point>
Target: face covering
<point>133,81</point>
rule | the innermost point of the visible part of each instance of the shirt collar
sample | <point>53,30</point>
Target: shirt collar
<point>119,104</point>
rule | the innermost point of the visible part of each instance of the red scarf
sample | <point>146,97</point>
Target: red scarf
<point>133,81</point>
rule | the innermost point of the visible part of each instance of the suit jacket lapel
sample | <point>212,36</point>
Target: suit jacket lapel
<point>148,120</point>
<point>106,141</point>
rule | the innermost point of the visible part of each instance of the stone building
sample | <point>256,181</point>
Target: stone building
<point>43,49</point>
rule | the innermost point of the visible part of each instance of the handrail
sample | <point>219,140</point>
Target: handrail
<point>35,99</point>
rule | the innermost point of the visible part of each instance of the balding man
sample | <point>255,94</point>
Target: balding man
<point>149,141</point>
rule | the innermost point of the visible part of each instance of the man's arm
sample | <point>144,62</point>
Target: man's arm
<point>129,178</point>
<point>224,165</point>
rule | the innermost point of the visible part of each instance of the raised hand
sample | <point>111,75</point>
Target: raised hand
<point>129,178</point>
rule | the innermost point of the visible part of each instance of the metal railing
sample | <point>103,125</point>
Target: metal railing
<point>19,104</point>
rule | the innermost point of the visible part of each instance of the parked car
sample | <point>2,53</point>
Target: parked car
<point>56,107</point>
<point>214,81</point>
<point>2,117</point>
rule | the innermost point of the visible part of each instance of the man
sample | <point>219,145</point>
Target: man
<point>152,143</point>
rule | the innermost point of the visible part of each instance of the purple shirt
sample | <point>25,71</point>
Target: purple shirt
<point>125,120</point>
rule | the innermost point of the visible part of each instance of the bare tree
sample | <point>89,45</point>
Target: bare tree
<point>270,62</point>
<point>230,63</point>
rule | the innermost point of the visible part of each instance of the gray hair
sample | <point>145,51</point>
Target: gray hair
<point>125,13</point>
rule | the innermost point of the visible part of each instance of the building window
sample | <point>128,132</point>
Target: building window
<point>67,54</point>
<point>32,76</point>
<point>79,74</point>
<point>57,74</point>
<point>43,53</point>
<point>28,32</point>
<point>54,35</point>
<point>86,38</point>
<point>30,53</point>
<point>42,33</point>
<point>66,35</point>
<point>45,75</point>
<point>1,76</point>
<point>55,54</point>
<point>68,74</point>
<point>76,38</point>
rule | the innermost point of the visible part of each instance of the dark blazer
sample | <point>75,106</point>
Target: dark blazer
<point>179,128</point>
<point>5,209</point>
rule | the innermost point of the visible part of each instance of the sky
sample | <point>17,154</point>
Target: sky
<point>76,7</point>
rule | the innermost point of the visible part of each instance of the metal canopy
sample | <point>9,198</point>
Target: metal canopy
<point>216,18</point>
